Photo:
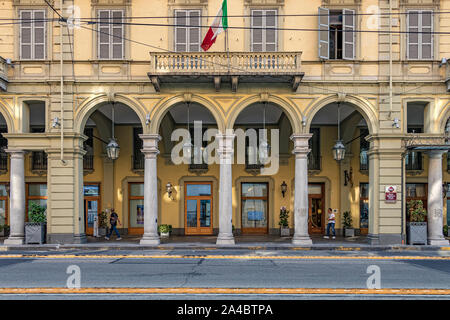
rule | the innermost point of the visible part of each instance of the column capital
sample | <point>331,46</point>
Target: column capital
<point>150,145</point>
<point>436,153</point>
<point>301,143</point>
<point>16,153</point>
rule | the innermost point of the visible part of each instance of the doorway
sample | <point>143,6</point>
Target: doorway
<point>254,207</point>
<point>198,208</point>
<point>91,206</point>
<point>316,205</point>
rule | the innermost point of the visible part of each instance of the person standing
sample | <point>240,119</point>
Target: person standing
<point>113,219</point>
<point>331,224</point>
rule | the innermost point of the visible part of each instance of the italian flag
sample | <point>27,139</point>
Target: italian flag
<point>220,23</point>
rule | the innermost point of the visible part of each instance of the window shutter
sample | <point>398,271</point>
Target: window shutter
<point>39,34</point>
<point>104,34</point>
<point>194,31</point>
<point>324,33</point>
<point>117,34</point>
<point>180,30</point>
<point>413,35</point>
<point>349,34</point>
<point>257,31</point>
<point>25,34</point>
<point>427,35</point>
<point>270,30</point>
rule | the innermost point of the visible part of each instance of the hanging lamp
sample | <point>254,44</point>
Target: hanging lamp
<point>339,148</point>
<point>112,149</point>
<point>264,145</point>
<point>187,147</point>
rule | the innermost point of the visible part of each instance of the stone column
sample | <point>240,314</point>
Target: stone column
<point>17,198</point>
<point>301,150</point>
<point>150,150</point>
<point>435,205</point>
<point>225,152</point>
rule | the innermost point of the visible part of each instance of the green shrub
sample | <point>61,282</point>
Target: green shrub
<point>347,220</point>
<point>103,220</point>
<point>446,230</point>
<point>284,217</point>
<point>37,214</point>
<point>165,228</point>
<point>416,211</point>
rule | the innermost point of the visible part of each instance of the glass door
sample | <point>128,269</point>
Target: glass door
<point>364,208</point>
<point>198,208</point>
<point>91,206</point>
<point>316,221</point>
<point>254,207</point>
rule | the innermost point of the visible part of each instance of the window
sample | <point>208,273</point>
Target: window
<point>420,34</point>
<point>38,158</point>
<point>110,35</point>
<point>32,34</point>
<point>3,154</point>
<point>337,35</point>
<point>364,146</point>
<point>413,159</point>
<point>88,145</point>
<point>138,156</point>
<point>36,193</point>
<point>136,207</point>
<point>253,139</point>
<point>314,154</point>
<point>264,33</point>
<point>187,30</point>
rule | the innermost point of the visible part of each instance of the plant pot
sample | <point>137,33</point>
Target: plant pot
<point>101,232</point>
<point>164,234</point>
<point>285,232</point>
<point>35,232</point>
<point>349,232</point>
<point>417,232</point>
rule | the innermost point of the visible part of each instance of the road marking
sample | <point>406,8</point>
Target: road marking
<point>212,257</point>
<point>289,291</point>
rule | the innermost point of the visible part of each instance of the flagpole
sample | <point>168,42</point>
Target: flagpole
<point>227,49</point>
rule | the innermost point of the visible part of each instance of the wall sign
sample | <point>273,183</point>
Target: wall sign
<point>391,194</point>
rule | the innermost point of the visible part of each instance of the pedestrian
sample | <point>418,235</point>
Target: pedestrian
<point>113,219</point>
<point>331,224</point>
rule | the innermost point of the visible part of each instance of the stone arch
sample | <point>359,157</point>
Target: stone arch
<point>161,109</point>
<point>288,108</point>
<point>444,116</point>
<point>4,110</point>
<point>362,105</point>
<point>91,104</point>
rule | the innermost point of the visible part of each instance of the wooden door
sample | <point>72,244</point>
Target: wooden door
<point>316,206</point>
<point>198,208</point>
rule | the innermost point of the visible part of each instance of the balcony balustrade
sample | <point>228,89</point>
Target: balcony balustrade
<point>3,74</point>
<point>234,66</point>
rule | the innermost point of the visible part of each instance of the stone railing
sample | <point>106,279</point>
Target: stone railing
<point>236,63</point>
<point>424,140</point>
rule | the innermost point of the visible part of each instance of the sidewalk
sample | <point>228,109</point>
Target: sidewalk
<point>266,242</point>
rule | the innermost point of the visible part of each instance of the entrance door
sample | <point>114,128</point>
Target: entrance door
<point>316,221</point>
<point>254,207</point>
<point>91,206</point>
<point>198,208</point>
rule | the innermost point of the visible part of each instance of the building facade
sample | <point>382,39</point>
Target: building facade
<point>370,73</point>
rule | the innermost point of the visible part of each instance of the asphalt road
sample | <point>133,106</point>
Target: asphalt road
<point>259,270</point>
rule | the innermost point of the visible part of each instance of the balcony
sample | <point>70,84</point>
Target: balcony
<point>88,163</point>
<point>3,74</point>
<point>39,162</point>
<point>138,163</point>
<point>3,162</point>
<point>233,67</point>
<point>314,163</point>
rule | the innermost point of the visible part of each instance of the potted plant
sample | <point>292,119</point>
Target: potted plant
<point>446,230</point>
<point>102,224</point>
<point>347,224</point>
<point>284,222</point>
<point>4,230</point>
<point>164,230</point>
<point>35,229</point>
<point>416,227</point>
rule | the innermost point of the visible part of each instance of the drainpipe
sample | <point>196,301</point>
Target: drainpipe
<point>390,59</point>
<point>403,198</point>
<point>61,82</point>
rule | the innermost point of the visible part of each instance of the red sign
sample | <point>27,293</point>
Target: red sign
<point>391,194</point>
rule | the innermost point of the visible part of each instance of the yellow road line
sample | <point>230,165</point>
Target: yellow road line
<point>351,291</point>
<point>235,257</point>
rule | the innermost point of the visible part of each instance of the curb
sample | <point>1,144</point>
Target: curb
<point>57,247</point>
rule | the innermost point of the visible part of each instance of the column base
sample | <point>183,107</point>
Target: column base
<point>14,241</point>
<point>302,240</point>
<point>225,240</point>
<point>373,239</point>
<point>80,238</point>
<point>150,240</point>
<point>438,242</point>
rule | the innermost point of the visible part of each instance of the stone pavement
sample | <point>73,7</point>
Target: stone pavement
<point>266,242</point>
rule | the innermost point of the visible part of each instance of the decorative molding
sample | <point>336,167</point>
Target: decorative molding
<point>110,2</point>
<point>341,2</point>
<point>32,2</point>
<point>264,2</point>
<point>187,2</point>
